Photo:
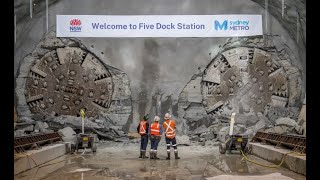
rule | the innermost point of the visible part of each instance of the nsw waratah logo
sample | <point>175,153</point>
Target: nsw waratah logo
<point>75,25</point>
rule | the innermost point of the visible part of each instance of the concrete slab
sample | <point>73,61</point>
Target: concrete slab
<point>263,177</point>
<point>32,158</point>
<point>293,162</point>
<point>115,160</point>
<point>40,173</point>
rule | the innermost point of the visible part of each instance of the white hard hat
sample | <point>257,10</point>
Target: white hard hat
<point>167,116</point>
<point>156,118</point>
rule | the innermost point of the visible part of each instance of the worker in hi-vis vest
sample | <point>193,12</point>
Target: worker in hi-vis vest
<point>169,126</point>
<point>155,137</point>
<point>142,129</point>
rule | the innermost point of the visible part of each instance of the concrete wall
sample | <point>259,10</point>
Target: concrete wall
<point>161,66</point>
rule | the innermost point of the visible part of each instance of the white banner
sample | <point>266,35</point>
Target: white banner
<point>159,26</point>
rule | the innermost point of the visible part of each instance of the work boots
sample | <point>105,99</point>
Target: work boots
<point>176,155</point>
<point>168,152</point>
<point>144,155</point>
<point>155,155</point>
<point>140,154</point>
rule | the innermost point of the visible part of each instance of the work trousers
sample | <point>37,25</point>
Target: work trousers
<point>154,142</point>
<point>144,142</point>
<point>172,142</point>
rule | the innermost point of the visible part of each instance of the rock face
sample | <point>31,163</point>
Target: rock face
<point>15,118</point>
<point>183,140</point>
<point>68,134</point>
<point>41,126</point>
<point>287,122</point>
<point>60,76</point>
<point>251,77</point>
<point>207,136</point>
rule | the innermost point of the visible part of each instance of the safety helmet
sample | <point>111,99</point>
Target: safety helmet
<point>146,117</point>
<point>167,116</point>
<point>156,118</point>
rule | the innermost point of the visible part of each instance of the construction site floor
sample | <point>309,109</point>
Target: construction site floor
<point>120,161</point>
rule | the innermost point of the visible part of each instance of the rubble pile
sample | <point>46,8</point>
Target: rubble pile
<point>206,135</point>
<point>104,129</point>
<point>220,130</point>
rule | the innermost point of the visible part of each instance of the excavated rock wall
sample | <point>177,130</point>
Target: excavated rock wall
<point>158,69</point>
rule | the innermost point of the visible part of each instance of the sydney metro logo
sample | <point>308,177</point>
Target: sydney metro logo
<point>75,25</point>
<point>232,25</point>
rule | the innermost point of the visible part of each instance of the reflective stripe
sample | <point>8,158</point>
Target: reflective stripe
<point>174,145</point>
<point>175,150</point>
<point>168,144</point>
<point>168,150</point>
<point>151,150</point>
<point>155,150</point>
<point>155,129</point>
<point>168,126</point>
<point>143,125</point>
<point>170,132</point>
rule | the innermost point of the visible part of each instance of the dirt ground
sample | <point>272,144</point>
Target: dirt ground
<point>120,161</point>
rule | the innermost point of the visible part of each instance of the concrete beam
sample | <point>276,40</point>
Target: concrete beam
<point>260,177</point>
<point>24,161</point>
<point>292,162</point>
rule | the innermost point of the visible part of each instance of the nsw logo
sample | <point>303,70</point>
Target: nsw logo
<point>75,25</point>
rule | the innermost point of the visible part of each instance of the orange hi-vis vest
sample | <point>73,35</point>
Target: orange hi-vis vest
<point>170,128</point>
<point>143,128</point>
<point>155,129</point>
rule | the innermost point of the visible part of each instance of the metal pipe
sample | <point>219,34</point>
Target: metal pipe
<point>232,123</point>
<point>15,28</point>
<point>266,15</point>
<point>82,125</point>
<point>298,26</point>
<point>282,9</point>
<point>47,15</point>
<point>31,6</point>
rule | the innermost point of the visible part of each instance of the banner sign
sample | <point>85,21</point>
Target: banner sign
<point>159,26</point>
